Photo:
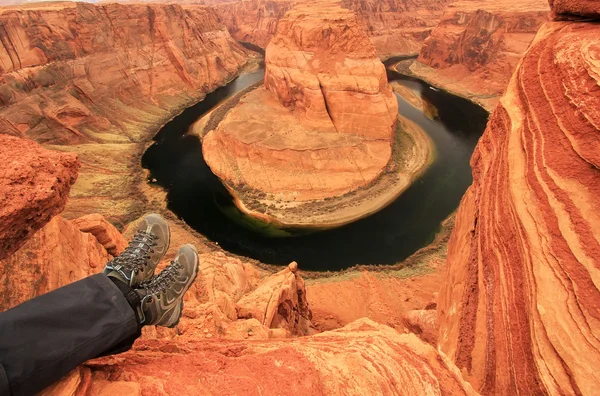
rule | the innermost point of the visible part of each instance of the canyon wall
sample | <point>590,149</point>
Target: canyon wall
<point>395,27</point>
<point>99,80</point>
<point>253,21</point>
<point>520,309</point>
<point>475,48</point>
<point>398,27</point>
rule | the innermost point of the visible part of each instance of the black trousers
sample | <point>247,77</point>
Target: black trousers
<point>45,338</point>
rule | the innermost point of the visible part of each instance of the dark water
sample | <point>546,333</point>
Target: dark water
<point>389,236</point>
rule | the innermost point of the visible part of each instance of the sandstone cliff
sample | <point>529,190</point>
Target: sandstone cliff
<point>398,27</point>
<point>363,358</point>
<point>322,126</point>
<point>35,185</point>
<point>100,81</point>
<point>395,27</point>
<point>253,21</point>
<point>477,45</point>
<point>519,312</point>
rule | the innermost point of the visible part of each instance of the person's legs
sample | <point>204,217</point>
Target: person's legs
<point>43,339</point>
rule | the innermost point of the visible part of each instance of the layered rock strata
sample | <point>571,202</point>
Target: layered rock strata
<point>398,27</point>
<point>34,187</point>
<point>99,80</point>
<point>519,312</point>
<point>253,21</point>
<point>395,27</point>
<point>363,358</point>
<point>476,47</point>
<point>322,126</point>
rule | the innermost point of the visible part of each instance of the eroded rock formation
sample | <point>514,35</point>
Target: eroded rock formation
<point>99,80</point>
<point>395,27</point>
<point>519,311</point>
<point>253,21</point>
<point>322,126</point>
<point>363,358</point>
<point>398,27</point>
<point>34,187</point>
<point>476,47</point>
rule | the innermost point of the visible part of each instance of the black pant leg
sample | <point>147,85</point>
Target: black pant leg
<point>45,338</point>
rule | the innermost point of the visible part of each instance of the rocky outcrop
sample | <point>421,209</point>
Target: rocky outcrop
<point>99,80</point>
<point>569,9</point>
<point>363,358</point>
<point>103,231</point>
<point>279,303</point>
<point>422,322</point>
<point>58,254</point>
<point>519,312</point>
<point>476,46</point>
<point>322,67</point>
<point>34,186</point>
<point>321,128</point>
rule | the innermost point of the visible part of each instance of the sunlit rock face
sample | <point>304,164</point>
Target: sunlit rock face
<point>475,49</point>
<point>323,124</point>
<point>398,27</point>
<point>34,187</point>
<point>363,358</point>
<point>100,80</point>
<point>519,312</point>
<point>322,67</point>
<point>395,27</point>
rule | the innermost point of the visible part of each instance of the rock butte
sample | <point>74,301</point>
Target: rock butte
<point>395,27</point>
<point>520,309</point>
<point>476,47</point>
<point>321,127</point>
<point>99,80</point>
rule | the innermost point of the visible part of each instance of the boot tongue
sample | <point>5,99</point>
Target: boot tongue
<point>118,275</point>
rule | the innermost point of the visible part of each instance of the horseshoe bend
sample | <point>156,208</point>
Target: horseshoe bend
<point>501,299</point>
<point>322,129</point>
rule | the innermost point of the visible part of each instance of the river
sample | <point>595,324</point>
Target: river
<point>387,237</point>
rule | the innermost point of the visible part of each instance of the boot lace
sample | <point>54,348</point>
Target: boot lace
<point>162,281</point>
<point>135,257</point>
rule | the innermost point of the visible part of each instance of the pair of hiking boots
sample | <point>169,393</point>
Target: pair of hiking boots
<point>161,296</point>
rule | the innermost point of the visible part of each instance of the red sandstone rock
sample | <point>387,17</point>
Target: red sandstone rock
<point>476,46</point>
<point>103,231</point>
<point>395,27</point>
<point>322,126</point>
<point>321,66</point>
<point>34,186</point>
<point>364,358</point>
<point>520,311</point>
<point>279,302</point>
<point>423,323</point>
<point>95,70</point>
<point>56,255</point>
<point>573,9</point>
<point>100,80</point>
<point>398,27</point>
<point>253,21</point>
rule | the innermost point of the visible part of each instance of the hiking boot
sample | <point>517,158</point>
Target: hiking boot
<point>137,262</point>
<point>162,296</point>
